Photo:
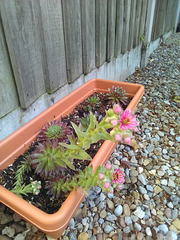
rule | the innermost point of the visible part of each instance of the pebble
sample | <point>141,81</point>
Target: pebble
<point>140,236</point>
<point>148,231</point>
<point>168,213</point>
<point>176,223</point>
<point>137,227</point>
<point>133,173</point>
<point>142,190</point>
<point>128,220</point>
<point>118,210</point>
<point>126,230</point>
<point>126,210</point>
<point>108,228</point>
<point>163,228</point>
<point>149,188</point>
<point>111,218</point>
<point>9,231</point>
<point>142,179</point>
<point>110,204</point>
<point>164,182</point>
<point>139,213</point>
<point>83,236</point>
<point>103,213</point>
<point>171,235</point>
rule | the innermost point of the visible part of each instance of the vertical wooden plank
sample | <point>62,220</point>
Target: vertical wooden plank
<point>8,94</point>
<point>149,20</point>
<point>88,34</point>
<point>73,38</point>
<point>126,20</point>
<point>132,24</point>
<point>155,21</point>
<point>143,20</point>
<point>101,31</point>
<point>54,49</point>
<point>161,18</point>
<point>137,24</point>
<point>111,21</point>
<point>21,25</point>
<point>169,15</point>
<point>119,26</point>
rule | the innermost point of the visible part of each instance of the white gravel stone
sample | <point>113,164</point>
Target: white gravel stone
<point>142,190</point>
<point>142,179</point>
<point>163,228</point>
<point>137,227</point>
<point>170,205</point>
<point>171,235</point>
<point>139,213</point>
<point>118,210</point>
<point>128,220</point>
<point>164,182</point>
<point>148,231</point>
<point>150,188</point>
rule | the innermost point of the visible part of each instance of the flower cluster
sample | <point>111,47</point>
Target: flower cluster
<point>123,123</point>
<point>110,180</point>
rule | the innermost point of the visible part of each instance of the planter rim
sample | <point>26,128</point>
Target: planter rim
<point>54,224</point>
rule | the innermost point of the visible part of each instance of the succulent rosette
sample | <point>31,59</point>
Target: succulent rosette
<point>55,130</point>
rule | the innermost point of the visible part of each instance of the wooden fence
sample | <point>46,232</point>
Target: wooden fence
<point>45,44</point>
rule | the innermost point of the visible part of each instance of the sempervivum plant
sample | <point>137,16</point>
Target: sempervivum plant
<point>55,130</point>
<point>117,95</point>
<point>48,158</point>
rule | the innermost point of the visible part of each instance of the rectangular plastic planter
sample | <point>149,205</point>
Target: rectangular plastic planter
<point>15,144</point>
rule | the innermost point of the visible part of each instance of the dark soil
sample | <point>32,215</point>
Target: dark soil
<point>50,204</point>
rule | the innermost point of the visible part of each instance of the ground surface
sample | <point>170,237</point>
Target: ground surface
<point>148,206</point>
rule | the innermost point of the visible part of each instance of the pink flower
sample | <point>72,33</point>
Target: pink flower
<point>39,187</point>
<point>117,137</point>
<point>106,185</point>
<point>108,166</point>
<point>117,109</point>
<point>111,192</point>
<point>127,140</point>
<point>101,176</point>
<point>127,120</point>
<point>118,176</point>
<point>114,122</point>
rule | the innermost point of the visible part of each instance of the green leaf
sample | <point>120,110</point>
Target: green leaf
<point>79,133</point>
<point>69,146</point>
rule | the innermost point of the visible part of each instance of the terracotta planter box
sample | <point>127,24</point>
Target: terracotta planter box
<point>15,144</point>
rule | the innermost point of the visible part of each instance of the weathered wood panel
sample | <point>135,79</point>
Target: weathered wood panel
<point>8,94</point>
<point>137,24</point>
<point>161,18</point>
<point>73,38</point>
<point>100,31</point>
<point>126,19</point>
<point>88,34</point>
<point>119,27</point>
<point>111,24</point>
<point>155,20</point>
<point>132,24</point>
<point>169,15</point>
<point>54,49</point>
<point>21,25</point>
<point>143,20</point>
